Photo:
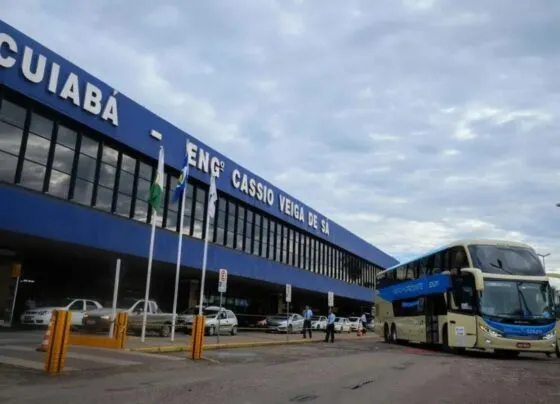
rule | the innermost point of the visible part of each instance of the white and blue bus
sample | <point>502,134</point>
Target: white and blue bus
<point>471,294</point>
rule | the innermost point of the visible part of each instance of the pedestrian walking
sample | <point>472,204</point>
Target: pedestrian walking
<point>363,320</point>
<point>307,315</point>
<point>330,326</point>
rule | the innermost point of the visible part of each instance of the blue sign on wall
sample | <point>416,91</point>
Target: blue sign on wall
<point>33,70</point>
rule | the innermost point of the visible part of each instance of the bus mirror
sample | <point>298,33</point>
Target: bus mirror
<point>478,278</point>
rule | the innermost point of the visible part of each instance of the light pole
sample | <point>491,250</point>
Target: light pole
<point>543,256</point>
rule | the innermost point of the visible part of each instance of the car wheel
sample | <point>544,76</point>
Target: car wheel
<point>165,330</point>
<point>234,330</point>
<point>211,331</point>
<point>290,329</point>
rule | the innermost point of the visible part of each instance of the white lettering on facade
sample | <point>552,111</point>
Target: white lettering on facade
<point>312,220</point>
<point>200,159</point>
<point>291,208</point>
<point>93,100</point>
<point>8,42</point>
<point>252,187</point>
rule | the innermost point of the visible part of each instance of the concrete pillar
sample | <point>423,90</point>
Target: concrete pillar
<point>281,307</point>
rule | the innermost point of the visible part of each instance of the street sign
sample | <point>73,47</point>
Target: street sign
<point>16,270</point>
<point>288,293</point>
<point>331,299</point>
<point>222,281</point>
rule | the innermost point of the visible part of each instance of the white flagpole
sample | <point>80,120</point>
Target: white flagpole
<point>179,248</point>
<point>149,275</point>
<point>205,254</point>
<point>160,170</point>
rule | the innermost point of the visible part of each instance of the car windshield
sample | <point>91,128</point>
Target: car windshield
<point>57,302</point>
<point>508,260</point>
<point>354,319</point>
<point>516,299</point>
<point>126,302</point>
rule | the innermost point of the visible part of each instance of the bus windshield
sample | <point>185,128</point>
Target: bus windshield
<point>517,300</point>
<point>506,260</point>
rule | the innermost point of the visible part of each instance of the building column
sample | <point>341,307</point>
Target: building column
<point>194,292</point>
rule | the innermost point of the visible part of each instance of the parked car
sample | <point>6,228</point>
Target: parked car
<point>285,322</point>
<point>217,320</point>
<point>319,323</point>
<point>157,320</point>
<point>341,324</point>
<point>355,324</point>
<point>42,315</point>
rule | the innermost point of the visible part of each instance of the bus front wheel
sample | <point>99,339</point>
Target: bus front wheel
<point>386,337</point>
<point>394,338</point>
<point>445,339</point>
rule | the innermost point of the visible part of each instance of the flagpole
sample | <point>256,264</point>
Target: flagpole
<point>205,253</point>
<point>149,275</point>
<point>179,249</point>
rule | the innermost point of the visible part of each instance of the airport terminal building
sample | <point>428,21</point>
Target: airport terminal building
<point>76,162</point>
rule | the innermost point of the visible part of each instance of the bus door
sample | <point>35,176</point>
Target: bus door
<point>432,324</point>
<point>461,315</point>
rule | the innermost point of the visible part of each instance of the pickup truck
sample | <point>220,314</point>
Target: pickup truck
<point>157,320</point>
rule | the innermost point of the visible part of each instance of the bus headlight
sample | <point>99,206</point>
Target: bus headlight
<point>550,335</point>
<point>490,332</point>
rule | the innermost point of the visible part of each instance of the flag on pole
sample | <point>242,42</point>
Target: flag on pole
<point>156,188</point>
<point>212,197</point>
<point>183,178</point>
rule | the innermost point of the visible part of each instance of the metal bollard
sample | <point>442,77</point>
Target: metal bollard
<point>197,343</point>
<point>58,342</point>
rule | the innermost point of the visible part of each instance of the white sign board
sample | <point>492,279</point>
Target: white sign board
<point>288,293</point>
<point>222,281</point>
<point>331,299</point>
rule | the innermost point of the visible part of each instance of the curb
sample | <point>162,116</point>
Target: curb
<point>233,345</point>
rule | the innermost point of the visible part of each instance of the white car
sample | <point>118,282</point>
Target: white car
<point>318,323</point>
<point>283,322</point>
<point>355,323</point>
<point>342,324</point>
<point>42,315</point>
<point>216,319</point>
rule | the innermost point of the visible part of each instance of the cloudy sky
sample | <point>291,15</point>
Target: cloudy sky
<point>411,122</point>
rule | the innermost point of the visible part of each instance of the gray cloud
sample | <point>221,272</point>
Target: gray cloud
<point>412,123</point>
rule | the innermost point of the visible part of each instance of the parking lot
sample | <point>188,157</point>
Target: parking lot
<point>359,371</point>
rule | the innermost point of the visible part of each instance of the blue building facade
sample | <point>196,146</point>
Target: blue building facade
<point>77,159</point>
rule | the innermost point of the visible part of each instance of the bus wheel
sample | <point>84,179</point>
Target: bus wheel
<point>386,334</point>
<point>394,338</point>
<point>557,351</point>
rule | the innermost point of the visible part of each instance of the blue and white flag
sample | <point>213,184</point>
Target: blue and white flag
<point>183,177</point>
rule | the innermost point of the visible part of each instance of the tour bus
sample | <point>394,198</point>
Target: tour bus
<point>556,296</point>
<point>471,294</point>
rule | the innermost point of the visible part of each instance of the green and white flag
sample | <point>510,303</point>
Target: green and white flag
<point>156,190</point>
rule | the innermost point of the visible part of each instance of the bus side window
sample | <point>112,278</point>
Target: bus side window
<point>438,263</point>
<point>459,258</point>
<point>463,293</point>
<point>429,267</point>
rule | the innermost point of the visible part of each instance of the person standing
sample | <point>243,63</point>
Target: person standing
<point>330,326</point>
<point>307,315</point>
<point>363,320</point>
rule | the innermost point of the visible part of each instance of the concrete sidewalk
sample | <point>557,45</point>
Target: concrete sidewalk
<point>245,340</point>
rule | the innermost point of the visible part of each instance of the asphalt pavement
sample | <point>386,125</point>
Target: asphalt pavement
<point>358,371</point>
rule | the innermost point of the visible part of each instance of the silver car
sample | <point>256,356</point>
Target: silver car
<point>285,322</point>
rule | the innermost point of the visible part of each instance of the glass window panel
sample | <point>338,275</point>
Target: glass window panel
<point>104,198</point>
<point>141,211</point>
<point>110,155</point>
<point>107,174</point>
<point>8,164</point>
<point>231,224</point>
<point>143,190</point>
<point>173,184</point>
<point>171,222</point>
<point>66,137</point>
<point>89,147</point>
<point>197,229</point>
<point>123,205</point>
<point>13,113</point>
<point>10,138</point>
<point>271,239</point>
<point>86,167</point>
<point>278,256</point>
<point>63,159</point>
<point>126,183</point>
<point>59,184</point>
<point>264,241</point>
<point>220,235</point>
<point>33,175</point>
<point>41,126</point>
<point>249,231</point>
<point>128,163</point>
<point>145,171</point>
<point>83,192</point>
<point>240,223</point>
<point>37,149</point>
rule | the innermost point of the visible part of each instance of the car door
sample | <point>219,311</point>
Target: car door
<point>77,308</point>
